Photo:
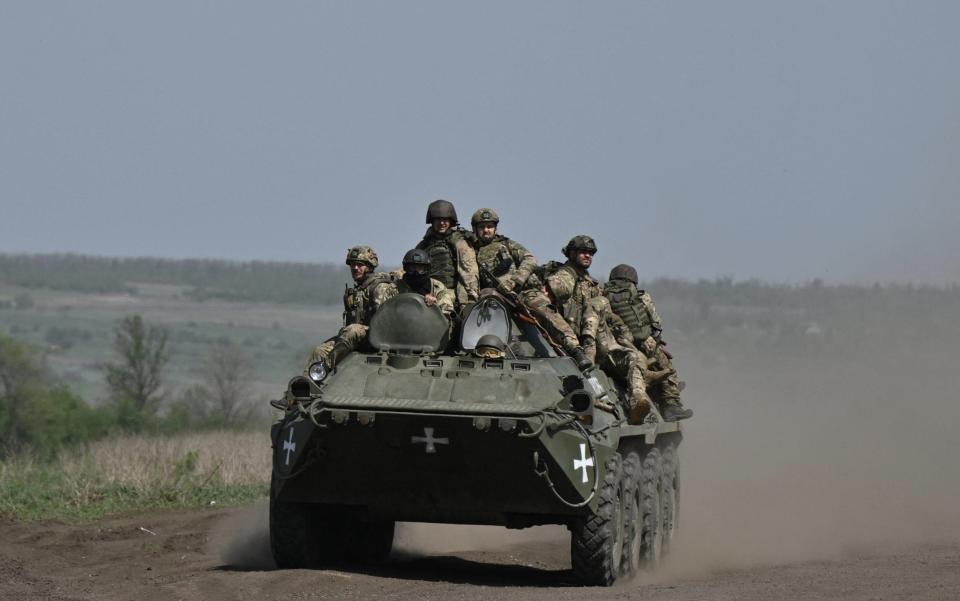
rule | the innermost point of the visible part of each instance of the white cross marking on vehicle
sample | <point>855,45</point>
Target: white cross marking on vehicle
<point>289,446</point>
<point>429,440</point>
<point>583,462</point>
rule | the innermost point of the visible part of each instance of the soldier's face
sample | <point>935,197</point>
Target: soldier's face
<point>358,271</point>
<point>442,225</point>
<point>583,258</point>
<point>486,230</point>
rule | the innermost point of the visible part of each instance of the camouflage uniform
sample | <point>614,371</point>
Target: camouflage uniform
<point>452,258</point>
<point>445,299</point>
<point>358,307</point>
<point>512,264</point>
<point>581,301</point>
<point>636,309</point>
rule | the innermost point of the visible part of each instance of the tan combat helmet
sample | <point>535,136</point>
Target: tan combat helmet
<point>363,254</point>
<point>484,216</point>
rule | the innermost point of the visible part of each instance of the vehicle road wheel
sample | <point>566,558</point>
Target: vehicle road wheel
<point>596,544</point>
<point>370,542</point>
<point>670,487</point>
<point>633,514</point>
<point>300,537</point>
<point>651,502</point>
<point>290,527</point>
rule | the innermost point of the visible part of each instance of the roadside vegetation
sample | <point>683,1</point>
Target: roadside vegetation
<point>135,472</point>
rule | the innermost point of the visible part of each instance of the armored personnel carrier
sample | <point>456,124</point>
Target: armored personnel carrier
<point>425,429</point>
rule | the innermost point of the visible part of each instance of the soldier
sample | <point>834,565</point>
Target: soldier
<point>635,307</point>
<point>416,278</point>
<point>452,259</point>
<point>512,264</point>
<point>358,305</point>
<point>581,301</point>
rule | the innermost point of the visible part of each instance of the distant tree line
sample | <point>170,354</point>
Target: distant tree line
<point>259,281</point>
<point>322,283</point>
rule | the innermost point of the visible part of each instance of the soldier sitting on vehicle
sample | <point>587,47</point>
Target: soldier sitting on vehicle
<point>579,297</point>
<point>635,307</point>
<point>453,261</point>
<point>358,305</point>
<point>416,264</point>
<point>416,278</point>
<point>507,266</point>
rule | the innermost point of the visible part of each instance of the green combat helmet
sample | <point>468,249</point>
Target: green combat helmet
<point>441,209</point>
<point>363,254</point>
<point>484,216</point>
<point>581,242</point>
<point>624,272</point>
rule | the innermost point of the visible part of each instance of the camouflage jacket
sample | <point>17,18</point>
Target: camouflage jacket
<point>358,305</point>
<point>571,288</point>
<point>445,299</point>
<point>453,263</point>
<point>509,261</point>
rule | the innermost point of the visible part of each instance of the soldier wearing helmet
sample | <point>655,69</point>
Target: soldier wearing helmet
<point>416,278</point>
<point>453,260</point>
<point>511,264</point>
<point>635,307</point>
<point>580,300</point>
<point>358,307</point>
<point>490,346</point>
<point>498,255</point>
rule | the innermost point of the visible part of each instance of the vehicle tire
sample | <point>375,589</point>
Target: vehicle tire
<point>290,527</point>
<point>670,501</point>
<point>633,514</point>
<point>651,503</point>
<point>300,537</point>
<point>370,542</point>
<point>596,543</point>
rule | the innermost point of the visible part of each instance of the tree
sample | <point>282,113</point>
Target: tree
<point>229,372</point>
<point>19,368</point>
<point>136,378</point>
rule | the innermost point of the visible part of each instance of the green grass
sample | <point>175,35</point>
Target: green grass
<point>137,473</point>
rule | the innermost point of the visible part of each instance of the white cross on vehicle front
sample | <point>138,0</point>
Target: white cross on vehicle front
<point>289,446</point>
<point>429,440</point>
<point>583,462</point>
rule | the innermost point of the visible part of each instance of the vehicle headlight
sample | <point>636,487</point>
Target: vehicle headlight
<point>317,371</point>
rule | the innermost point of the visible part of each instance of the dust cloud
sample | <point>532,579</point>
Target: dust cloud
<point>804,454</point>
<point>816,454</point>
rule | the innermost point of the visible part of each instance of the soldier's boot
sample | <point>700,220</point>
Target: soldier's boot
<point>673,409</point>
<point>583,362</point>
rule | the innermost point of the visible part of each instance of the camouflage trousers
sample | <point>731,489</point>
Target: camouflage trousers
<point>666,390</point>
<point>539,306</point>
<point>333,350</point>
<point>627,366</point>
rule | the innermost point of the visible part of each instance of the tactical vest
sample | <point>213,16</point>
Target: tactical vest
<point>443,257</point>
<point>495,257</point>
<point>357,304</point>
<point>626,301</point>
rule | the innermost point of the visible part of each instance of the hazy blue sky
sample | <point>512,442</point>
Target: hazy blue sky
<point>781,140</point>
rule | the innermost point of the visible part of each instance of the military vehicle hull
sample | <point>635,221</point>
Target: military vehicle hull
<point>467,441</point>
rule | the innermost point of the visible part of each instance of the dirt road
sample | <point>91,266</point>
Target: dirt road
<point>222,554</point>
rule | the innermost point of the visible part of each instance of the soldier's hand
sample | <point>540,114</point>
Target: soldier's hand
<point>430,299</point>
